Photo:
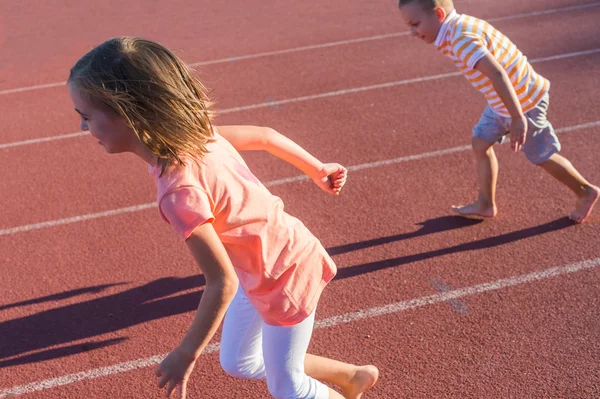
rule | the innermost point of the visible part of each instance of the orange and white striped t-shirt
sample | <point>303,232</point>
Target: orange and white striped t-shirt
<point>466,40</point>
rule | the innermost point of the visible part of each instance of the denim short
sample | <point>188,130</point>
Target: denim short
<point>541,141</point>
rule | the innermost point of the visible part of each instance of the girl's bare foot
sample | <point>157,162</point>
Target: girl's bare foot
<point>364,378</point>
<point>476,209</point>
<point>585,204</point>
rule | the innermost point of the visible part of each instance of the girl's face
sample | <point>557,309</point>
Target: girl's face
<point>111,129</point>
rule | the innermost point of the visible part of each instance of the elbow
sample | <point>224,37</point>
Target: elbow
<point>230,286</point>
<point>261,139</point>
<point>266,136</point>
<point>224,287</point>
<point>500,80</point>
<point>501,76</point>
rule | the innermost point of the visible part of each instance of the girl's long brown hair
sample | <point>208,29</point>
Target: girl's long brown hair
<point>154,90</point>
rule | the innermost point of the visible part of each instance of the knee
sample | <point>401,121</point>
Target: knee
<point>482,148</point>
<point>232,367</point>
<point>280,392</point>
<point>242,368</point>
<point>289,389</point>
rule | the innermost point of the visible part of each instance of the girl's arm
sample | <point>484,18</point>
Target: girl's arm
<point>221,286</point>
<point>330,177</point>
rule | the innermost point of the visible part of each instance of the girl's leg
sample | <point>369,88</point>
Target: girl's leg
<point>241,341</point>
<point>352,379</point>
<point>287,366</point>
<point>284,349</point>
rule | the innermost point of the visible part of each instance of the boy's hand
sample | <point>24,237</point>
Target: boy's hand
<point>331,178</point>
<point>175,370</point>
<point>490,67</point>
<point>518,132</point>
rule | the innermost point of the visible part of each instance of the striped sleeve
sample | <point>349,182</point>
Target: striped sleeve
<point>469,49</point>
<point>468,43</point>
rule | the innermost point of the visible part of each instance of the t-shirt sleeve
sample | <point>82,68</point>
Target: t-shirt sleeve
<point>186,208</point>
<point>469,48</point>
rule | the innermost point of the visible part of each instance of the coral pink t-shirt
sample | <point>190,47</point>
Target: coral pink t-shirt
<point>281,266</point>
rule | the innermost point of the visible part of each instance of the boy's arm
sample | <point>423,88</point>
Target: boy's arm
<point>330,177</point>
<point>221,286</point>
<point>489,66</point>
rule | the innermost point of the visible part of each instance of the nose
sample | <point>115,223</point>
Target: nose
<point>413,31</point>
<point>83,126</point>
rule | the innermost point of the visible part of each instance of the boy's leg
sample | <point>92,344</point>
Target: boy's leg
<point>486,165</point>
<point>291,372</point>
<point>587,194</point>
<point>542,148</point>
<point>487,132</point>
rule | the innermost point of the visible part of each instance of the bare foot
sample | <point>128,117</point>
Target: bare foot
<point>584,204</point>
<point>364,378</point>
<point>476,209</point>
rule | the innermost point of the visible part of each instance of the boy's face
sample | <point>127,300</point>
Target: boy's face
<point>424,25</point>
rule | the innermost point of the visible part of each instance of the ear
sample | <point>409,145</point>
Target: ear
<point>440,13</point>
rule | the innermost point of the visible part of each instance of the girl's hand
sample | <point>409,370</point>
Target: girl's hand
<point>175,370</point>
<point>331,178</point>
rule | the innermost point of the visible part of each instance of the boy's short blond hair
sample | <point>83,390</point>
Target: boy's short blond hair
<point>429,5</point>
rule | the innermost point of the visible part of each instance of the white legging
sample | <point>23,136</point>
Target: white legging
<point>250,348</point>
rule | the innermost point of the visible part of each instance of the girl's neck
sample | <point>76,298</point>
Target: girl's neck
<point>145,154</point>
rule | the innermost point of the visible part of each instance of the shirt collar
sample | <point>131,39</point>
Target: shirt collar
<point>444,28</point>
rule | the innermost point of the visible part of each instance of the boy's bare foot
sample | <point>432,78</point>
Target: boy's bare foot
<point>476,209</point>
<point>364,378</point>
<point>584,204</point>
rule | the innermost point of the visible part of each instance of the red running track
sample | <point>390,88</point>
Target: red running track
<point>88,296</point>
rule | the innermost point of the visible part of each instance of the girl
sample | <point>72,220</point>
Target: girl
<point>136,96</point>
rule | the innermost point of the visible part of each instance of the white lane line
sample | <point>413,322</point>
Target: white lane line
<point>339,92</point>
<point>323,323</point>
<point>243,57</point>
<point>76,219</point>
<point>458,306</point>
<point>545,12</point>
<point>316,96</point>
<point>567,55</point>
<point>91,374</point>
<point>325,45</point>
<point>568,129</point>
<point>43,139</point>
<point>272,183</point>
<point>30,88</point>
<point>387,85</point>
<point>459,293</point>
<point>424,155</point>
<point>386,36</point>
<point>302,48</point>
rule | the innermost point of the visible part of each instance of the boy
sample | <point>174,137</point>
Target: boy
<point>517,101</point>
